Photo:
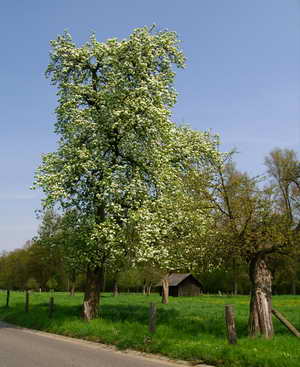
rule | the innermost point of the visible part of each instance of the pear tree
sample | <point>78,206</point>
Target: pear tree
<point>120,160</point>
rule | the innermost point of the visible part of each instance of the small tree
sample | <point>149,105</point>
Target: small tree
<point>130,279</point>
<point>150,276</point>
<point>283,168</point>
<point>248,228</point>
<point>52,284</point>
<point>32,283</point>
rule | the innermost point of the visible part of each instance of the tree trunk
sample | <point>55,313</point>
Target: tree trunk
<point>92,293</point>
<point>72,289</point>
<point>144,288</point>
<point>72,282</point>
<point>165,291</point>
<point>103,287</point>
<point>294,287</point>
<point>235,290</point>
<point>94,280</point>
<point>115,291</point>
<point>260,318</point>
<point>235,277</point>
<point>149,289</point>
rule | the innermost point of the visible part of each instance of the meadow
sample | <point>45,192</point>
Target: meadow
<point>188,328</point>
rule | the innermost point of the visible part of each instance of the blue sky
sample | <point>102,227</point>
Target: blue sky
<point>242,80</point>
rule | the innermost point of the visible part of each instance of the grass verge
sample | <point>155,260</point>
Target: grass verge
<point>189,328</point>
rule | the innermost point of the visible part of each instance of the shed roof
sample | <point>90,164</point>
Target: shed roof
<point>175,279</point>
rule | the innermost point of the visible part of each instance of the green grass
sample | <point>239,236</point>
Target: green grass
<point>190,328</point>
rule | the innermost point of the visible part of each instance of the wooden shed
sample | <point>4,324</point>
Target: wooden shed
<point>183,285</point>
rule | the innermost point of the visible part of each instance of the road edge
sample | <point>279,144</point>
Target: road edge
<point>110,347</point>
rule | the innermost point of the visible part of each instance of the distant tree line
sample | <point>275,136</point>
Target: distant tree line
<point>37,267</point>
<point>23,269</point>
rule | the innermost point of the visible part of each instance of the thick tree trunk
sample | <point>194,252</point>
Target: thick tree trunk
<point>92,293</point>
<point>165,291</point>
<point>94,280</point>
<point>260,318</point>
<point>144,288</point>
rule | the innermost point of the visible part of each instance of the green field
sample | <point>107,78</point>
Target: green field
<point>190,328</point>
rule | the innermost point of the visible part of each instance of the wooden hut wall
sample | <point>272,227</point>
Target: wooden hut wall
<point>189,287</point>
<point>173,291</point>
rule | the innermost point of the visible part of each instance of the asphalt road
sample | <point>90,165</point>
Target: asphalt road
<point>28,348</point>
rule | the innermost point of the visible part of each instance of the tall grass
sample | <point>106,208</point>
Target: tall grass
<point>190,328</point>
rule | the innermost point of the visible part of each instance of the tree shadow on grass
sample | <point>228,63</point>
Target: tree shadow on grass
<point>177,321</point>
<point>212,324</point>
<point>38,315</point>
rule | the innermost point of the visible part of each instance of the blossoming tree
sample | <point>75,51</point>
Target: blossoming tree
<point>120,160</point>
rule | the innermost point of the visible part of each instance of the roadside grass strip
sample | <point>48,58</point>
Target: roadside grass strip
<point>188,328</point>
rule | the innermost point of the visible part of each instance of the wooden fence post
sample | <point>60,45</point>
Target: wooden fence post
<point>152,318</point>
<point>230,324</point>
<point>27,301</point>
<point>286,323</point>
<point>7,298</point>
<point>51,307</point>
